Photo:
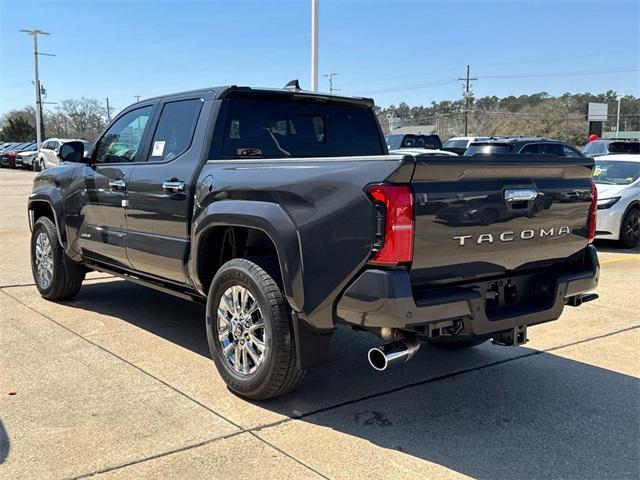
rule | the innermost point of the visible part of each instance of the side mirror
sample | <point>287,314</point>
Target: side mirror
<point>72,152</point>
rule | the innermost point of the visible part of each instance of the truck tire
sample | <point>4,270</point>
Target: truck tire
<point>250,332</point>
<point>56,276</point>
<point>456,343</point>
<point>630,228</point>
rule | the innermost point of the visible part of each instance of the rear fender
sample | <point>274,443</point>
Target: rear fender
<point>265,216</point>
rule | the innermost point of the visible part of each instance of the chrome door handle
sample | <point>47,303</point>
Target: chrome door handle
<point>173,186</point>
<point>118,183</point>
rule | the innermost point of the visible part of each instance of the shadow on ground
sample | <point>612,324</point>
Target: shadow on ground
<point>542,416</point>
<point>5,446</point>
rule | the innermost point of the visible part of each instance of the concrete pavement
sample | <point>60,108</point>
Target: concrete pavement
<point>118,383</point>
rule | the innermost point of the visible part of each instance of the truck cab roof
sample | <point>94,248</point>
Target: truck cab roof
<point>229,91</point>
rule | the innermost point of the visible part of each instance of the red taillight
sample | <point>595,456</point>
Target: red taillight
<point>593,212</point>
<point>394,224</point>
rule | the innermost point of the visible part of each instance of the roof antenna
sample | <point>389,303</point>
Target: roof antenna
<point>293,86</point>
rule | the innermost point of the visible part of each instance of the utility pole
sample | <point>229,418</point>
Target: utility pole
<point>108,111</point>
<point>34,33</point>
<point>137,97</point>
<point>618,118</point>
<point>467,96</point>
<point>314,45</point>
<point>330,77</point>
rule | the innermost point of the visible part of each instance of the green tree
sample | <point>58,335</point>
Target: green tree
<point>18,126</point>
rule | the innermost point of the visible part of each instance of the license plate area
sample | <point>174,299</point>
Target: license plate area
<point>516,295</point>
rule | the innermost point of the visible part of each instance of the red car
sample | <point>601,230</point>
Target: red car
<point>8,158</point>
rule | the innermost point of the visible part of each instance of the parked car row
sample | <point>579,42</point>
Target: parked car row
<point>470,146</point>
<point>9,153</point>
<point>27,155</point>
<point>610,147</point>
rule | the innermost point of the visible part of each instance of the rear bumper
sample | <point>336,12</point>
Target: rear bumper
<point>384,298</point>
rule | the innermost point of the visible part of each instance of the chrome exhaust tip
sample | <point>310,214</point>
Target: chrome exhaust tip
<point>380,358</point>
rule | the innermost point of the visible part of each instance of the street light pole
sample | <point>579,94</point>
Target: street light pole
<point>34,33</point>
<point>314,45</point>
<point>618,118</point>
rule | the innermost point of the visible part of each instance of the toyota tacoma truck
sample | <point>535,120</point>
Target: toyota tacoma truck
<point>283,212</point>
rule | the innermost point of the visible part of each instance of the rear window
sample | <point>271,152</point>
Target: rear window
<point>488,148</point>
<point>624,147</point>
<point>421,141</point>
<point>273,128</point>
<point>455,144</point>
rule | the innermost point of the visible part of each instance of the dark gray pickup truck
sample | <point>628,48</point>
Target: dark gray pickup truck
<point>282,210</point>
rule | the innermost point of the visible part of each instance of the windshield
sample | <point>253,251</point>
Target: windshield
<point>455,144</point>
<point>624,147</point>
<point>488,148</point>
<point>616,172</point>
<point>285,128</point>
<point>394,141</point>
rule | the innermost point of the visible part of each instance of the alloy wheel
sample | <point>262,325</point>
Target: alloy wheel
<point>631,228</point>
<point>44,260</point>
<point>240,327</point>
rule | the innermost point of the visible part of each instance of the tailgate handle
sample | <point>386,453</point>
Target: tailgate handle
<point>520,194</point>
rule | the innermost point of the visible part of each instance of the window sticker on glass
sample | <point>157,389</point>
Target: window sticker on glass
<point>249,152</point>
<point>158,148</point>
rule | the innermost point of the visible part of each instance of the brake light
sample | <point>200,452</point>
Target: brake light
<point>593,212</point>
<point>394,227</point>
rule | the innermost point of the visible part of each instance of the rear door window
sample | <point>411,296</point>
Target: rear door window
<point>551,149</point>
<point>532,148</point>
<point>570,152</point>
<point>285,128</point>
<point>500,148</point>
<point>175,129</point>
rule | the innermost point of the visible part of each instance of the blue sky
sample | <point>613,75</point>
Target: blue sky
<point>391,50</point>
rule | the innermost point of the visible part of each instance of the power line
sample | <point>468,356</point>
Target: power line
<point>416,86</point>
<point>412,87</point>
<point>567,74</point>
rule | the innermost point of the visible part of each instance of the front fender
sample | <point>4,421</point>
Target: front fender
<point>50,195</point>
<point>267,217</point>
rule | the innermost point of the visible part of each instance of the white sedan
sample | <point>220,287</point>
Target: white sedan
<point>617,179</point>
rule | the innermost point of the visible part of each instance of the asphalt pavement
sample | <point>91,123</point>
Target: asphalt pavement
<point>118,384</point>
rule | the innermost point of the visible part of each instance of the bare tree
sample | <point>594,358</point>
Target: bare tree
<point>83,118</point>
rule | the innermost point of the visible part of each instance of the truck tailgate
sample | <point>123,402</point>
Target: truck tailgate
<point>486,216</point>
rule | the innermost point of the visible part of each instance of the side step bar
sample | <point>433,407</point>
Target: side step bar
<point>176,292</point>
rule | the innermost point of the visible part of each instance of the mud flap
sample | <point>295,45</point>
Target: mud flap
<point>312,347</point>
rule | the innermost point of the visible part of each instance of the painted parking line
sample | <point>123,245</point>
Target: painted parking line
<point>619,259</point>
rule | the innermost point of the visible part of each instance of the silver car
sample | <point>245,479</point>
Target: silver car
<point>48,153</point>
